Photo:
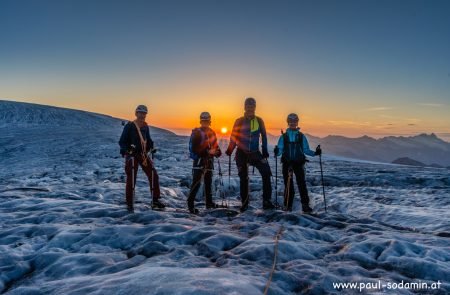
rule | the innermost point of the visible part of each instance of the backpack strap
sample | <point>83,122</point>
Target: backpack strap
<point>285,140</point>
<point>286,148</point>
<point>300,140</point>
<point>143,144</point>
<point>207,139</point>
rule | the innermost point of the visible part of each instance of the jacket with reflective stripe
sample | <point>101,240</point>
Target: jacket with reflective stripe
<point>246,134</point>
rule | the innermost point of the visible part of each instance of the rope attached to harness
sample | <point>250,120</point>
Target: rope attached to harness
<point>287,190</point>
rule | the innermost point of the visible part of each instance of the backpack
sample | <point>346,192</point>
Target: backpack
<point>203,135</point>
<point>293,151</point>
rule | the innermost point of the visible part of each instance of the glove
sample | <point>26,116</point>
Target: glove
<point>229,151</point>
<point>276,150</point>
<point>153,151</point>
<point>123,152</point>
<point>218,153</point>
<point>318,151</point>
<point>265,154</point>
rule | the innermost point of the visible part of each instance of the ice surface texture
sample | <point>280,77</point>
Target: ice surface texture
<point>64,228</point>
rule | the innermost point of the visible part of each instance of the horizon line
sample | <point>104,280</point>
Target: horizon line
<point>176,129</point>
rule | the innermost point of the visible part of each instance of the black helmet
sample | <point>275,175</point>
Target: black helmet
<point>205,116</point>
<point>250,101</point>
<point>292,118</point>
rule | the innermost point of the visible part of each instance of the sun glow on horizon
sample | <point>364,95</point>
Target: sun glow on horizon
<point>224,130</point>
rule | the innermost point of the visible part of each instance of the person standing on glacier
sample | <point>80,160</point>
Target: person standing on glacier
<point>135,144</point>
<point>246,135</point>
<point>292,147</point>
<point>203,147</point>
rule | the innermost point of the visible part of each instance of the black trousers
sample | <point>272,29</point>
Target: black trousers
<point>297,170</point>
<point>243,160</point>
<point>201,168</point>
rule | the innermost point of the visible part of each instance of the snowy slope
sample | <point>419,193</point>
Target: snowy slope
<point>64,228</point>
<point>28,114</point>
<point>20,114</point>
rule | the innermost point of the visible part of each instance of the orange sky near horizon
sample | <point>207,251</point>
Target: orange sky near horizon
<point>182,116</point>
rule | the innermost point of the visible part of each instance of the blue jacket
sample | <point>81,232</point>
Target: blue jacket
<point>246,134</point>
<point>292,136</point>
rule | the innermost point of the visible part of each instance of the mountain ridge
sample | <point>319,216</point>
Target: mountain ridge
<point>426,148</point>
<point>24,114</point>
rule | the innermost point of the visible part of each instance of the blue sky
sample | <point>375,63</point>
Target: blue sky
<point>347,67</point>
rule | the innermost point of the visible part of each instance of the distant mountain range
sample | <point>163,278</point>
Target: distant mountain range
<point>408,161</point>
<point>411,162</point>
<point>426,149</point>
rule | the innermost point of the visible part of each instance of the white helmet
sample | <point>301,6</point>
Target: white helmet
<point>141,109</point>
<point>205,116</point>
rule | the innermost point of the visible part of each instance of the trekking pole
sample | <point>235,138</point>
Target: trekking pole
<point>202,179</point>
<point>229,172</point>
<point>133,176</point>
<point>133,182</point>
<point>323,186</point>
<point>229,180</point>
<point>224,205</point>
<point>152,184</point>
<point>276,181</point>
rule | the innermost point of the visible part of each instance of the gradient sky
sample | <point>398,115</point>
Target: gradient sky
<point>346,67</point>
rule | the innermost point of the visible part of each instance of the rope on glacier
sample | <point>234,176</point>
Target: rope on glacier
<point>275,254</point>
